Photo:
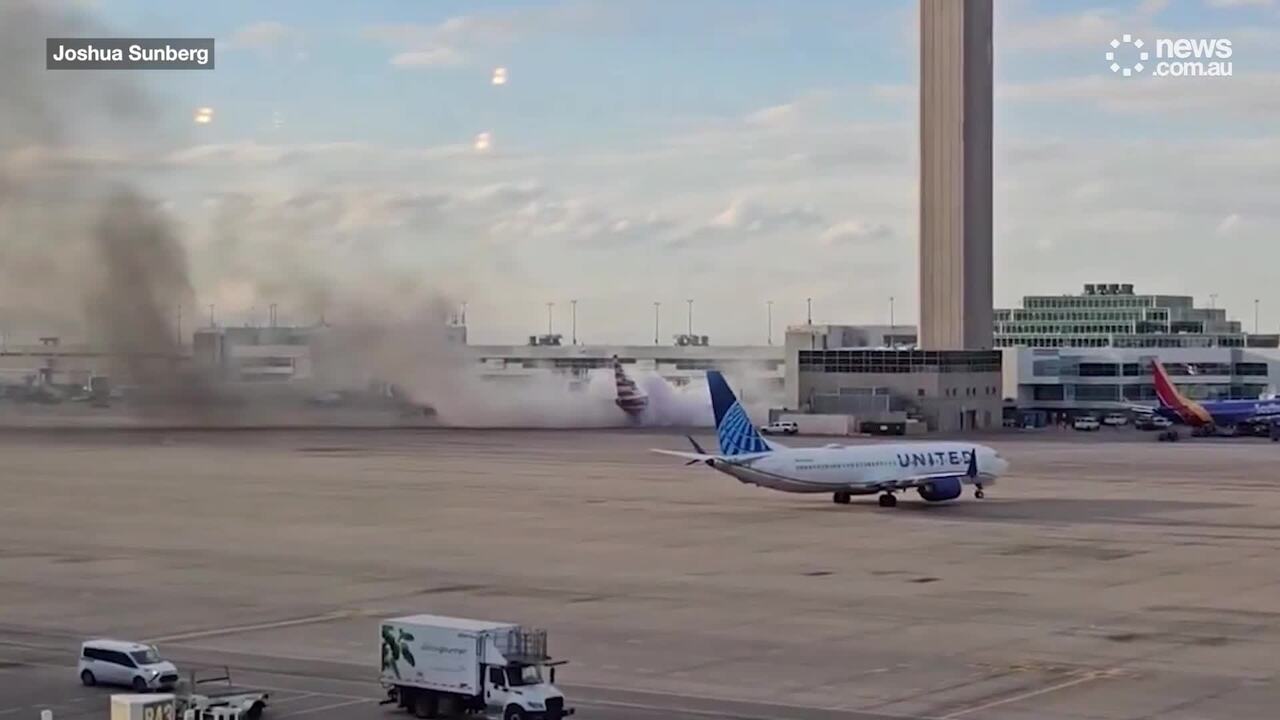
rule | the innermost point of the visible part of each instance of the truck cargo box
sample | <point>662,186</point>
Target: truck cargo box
<point>442,653</point>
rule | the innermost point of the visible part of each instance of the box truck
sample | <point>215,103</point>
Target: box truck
<point>435,666</point>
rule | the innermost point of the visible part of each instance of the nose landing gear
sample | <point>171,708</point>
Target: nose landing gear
<point>888,500</point>
<point>978,493</point>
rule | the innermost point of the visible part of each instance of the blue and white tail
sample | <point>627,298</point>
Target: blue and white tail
<point>734,429</point>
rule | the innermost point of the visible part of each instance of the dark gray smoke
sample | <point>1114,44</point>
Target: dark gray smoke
<point>82,252</point>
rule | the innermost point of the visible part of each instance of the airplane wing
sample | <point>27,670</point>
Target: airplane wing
<point>698,456</point>
<point>918,480</point>
<point>1139,409</point>
<point>693,457</point>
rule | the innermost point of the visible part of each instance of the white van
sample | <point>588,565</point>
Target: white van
<point>131,664</point>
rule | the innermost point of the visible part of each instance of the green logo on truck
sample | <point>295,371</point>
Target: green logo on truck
<point>395,645</point>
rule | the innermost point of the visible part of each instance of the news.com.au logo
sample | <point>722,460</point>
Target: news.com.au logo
<point>1173,57</point>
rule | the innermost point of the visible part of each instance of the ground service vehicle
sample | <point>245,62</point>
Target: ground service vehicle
<point>782,427</point>
<point>1116,419</point>
<point>129,664</point>
<point>211,695</point>
<point>437,666</point>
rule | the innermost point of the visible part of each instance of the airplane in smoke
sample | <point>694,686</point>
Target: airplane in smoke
<point>630,398</point>
<point>936,470</point>
<point>1207,417</point>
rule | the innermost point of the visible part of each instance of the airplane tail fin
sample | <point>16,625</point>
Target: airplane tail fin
<point>733,428</point>
<point>1170,398</point>
<point>1166,392</point>
<point>630,398</point>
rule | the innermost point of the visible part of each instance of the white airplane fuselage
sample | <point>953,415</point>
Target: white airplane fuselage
<point>860,469</point>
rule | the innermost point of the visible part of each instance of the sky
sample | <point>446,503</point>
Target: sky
<point>733,152</point>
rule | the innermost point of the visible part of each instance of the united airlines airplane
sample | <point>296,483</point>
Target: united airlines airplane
<point>936,470</point>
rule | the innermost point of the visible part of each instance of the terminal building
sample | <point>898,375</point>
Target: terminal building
<point>1092,351</point>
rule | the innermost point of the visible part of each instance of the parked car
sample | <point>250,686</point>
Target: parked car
<point>1154,422</point>
<point>1115,419</point>
<point>1086,423</point>
<point>129,664</point>
<point>783,427</point>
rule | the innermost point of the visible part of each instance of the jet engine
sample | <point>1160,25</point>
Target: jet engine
<point>940,489</point>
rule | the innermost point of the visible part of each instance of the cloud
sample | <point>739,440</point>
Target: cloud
<point>433,57</point>
<point>1087,28</point>
<point>1227,225</point>
<point>855,232</point>
<point>773,115</point>
<point>1151,8</point>
<point>752,217</point>
<point>1250,96</point>
<point>269,37</point>
<point>458,39</point>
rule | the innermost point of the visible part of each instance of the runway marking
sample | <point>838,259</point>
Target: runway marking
<point>231,630</point>
<point>303,694</point>
<point>718,713</point>
<point>323,708</point>
<point>1087,677</point>
<point>324,693</point>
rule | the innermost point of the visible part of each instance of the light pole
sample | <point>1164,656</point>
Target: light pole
<point>690,301</point>
<point>573,320</point>
<point>1213,300</point>
<point>808,303</point>
<point>769,305</point>
<point>211,323</point>
<point>892,324</point>
<point>1255,316</point>
<point>549,306</point>
<point>656,306</point>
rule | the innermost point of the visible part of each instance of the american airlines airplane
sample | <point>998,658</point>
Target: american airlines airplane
<point>936,470</point>
<point>630,398</point>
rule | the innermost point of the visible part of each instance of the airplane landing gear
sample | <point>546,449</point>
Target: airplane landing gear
<point>888,500</point>
<point>841,498</point>
<point>978,493</point>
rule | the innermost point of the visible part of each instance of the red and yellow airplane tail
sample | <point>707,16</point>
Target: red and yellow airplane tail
<point>1190,411</point>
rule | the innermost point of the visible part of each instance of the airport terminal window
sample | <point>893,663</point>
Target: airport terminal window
<point>1098,370</point>
<point>1248,368</point>
<point>1139,392</point>
<point>1048,392</point>
<point>1097,392</point>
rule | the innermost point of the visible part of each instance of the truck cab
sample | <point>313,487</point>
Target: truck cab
<point>519,691</point>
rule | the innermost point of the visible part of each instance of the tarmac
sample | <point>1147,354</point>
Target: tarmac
<point>1107,577</point>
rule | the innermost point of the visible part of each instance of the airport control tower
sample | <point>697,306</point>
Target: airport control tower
<point>955,175</point>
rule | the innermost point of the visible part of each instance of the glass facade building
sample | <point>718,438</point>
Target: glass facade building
<point>1114,316</point>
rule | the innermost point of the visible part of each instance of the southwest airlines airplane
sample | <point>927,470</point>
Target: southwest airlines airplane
<point>1205,415</point>
<point>936,470</point>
